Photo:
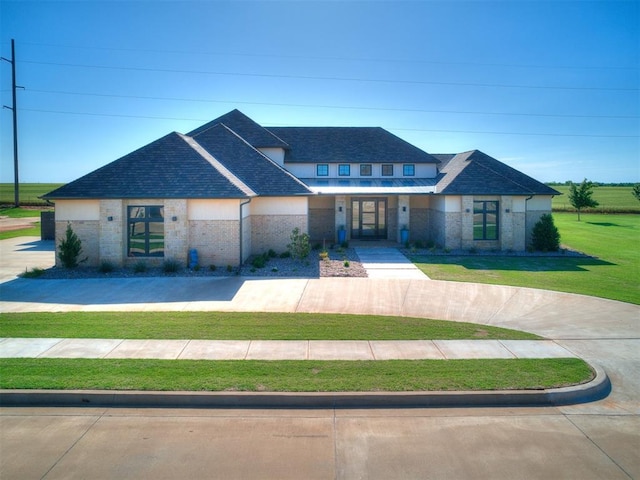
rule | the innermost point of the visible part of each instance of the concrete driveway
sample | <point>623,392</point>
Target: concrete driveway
<point>599,440</point>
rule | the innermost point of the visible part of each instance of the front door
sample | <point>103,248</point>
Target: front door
<point>369,218</point>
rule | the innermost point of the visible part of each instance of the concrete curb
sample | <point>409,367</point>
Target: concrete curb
<point>596,389</point>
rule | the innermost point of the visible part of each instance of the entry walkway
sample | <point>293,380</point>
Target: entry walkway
<point>279,349</point>
<point>387,262</point>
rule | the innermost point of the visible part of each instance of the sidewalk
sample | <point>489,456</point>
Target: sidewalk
<point>388,262</point>
<point>279,349</point>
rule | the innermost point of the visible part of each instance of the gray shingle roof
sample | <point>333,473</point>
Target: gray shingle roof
<point>256,135</point>
<point>348,145</point>
<point>166,168</point>
<point>253,168</point>
<point>476,173</point>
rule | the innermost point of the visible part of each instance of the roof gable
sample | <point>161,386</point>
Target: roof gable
<point>166,168</point>
<point>476,173</point>
<point>256,135</point>
<point>348,145</point>
<point>252,167</point>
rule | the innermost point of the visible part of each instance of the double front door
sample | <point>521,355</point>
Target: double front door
<point>369,218</point>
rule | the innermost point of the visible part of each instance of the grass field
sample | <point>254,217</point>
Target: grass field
<point>612,271</point>
<point>29,193</point>
<point>611,200</point>
<point>243,326</point>
<point>292,376</point>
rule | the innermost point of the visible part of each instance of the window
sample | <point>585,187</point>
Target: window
<point>146,231</point>
<point>387,170</point>
<point>365,170</point>
<point>344,170</point>
<point>322,170</point>
<point>485,220</point>
<point>408,170</point>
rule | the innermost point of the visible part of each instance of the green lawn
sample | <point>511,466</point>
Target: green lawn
<point>243,326</point>
<point>28,192</point>
<point>611,200</point>
<point>292,376</point>
<point>612,272</point>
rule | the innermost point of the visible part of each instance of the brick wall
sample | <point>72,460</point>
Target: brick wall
<point>217,242</point>
<point>88,233</point>
<point>274,231</point>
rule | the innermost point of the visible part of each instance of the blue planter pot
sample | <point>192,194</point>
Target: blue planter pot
<point>404,236</point>
<point>342,236</point>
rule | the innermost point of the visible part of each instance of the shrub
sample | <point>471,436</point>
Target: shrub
<point>299,246</point>
<point>286,254</point>
<point>70,248</point>
<point>229,268</point>
<point>170,266</point>
<point>105,267</point>
<point>346,263</point>
<point>212,268</point>
<point>272,253</point>
<point>140,267</point>
<point>545,236</point>
<point>324,255</point>
<point>258,262</point>
<point>33,273</point>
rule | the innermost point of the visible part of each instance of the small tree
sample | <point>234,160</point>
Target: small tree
<point>636,191</point>
<point>580,195</point>
<point>300,245</point>
<point>545,236</point>
<point>70,248</point>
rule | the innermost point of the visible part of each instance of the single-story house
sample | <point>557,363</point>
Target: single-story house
<point>232,188</point>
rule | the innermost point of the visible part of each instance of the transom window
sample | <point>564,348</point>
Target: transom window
<point>322,170</point>
<point>365,170</point>
<point>408,170</point>
<point>145,231</point>
<point>387,170</point>
<point>344,170</point>
<point>485,220</point>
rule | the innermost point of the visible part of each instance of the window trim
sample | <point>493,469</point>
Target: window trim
<point>146,220</point>
<point>364,165</point>
<point>382,169</point>
<point>485,212</point>
<point>323,165</point>
<point>413,170</point>
<point>348,168</point>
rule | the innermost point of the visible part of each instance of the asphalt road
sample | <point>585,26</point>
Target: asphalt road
<point>599,440</point>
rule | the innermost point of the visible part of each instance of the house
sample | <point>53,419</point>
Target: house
<point>232,188</point>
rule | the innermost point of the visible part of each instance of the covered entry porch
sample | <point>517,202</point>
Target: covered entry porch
<point>366,218</point>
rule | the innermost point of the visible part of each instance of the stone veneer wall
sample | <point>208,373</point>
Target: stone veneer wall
<point>274,231</point>
<point>176,232</point>
<point>112,233</point>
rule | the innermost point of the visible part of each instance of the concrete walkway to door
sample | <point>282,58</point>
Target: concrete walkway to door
<point>387,262</point>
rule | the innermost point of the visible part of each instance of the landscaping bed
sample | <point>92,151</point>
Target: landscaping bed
<point>340,262</point>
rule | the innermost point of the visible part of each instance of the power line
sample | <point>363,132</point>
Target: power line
<point>341,107</point>
<point>389,128</point>
<point>345,59</point>
<point>341,79</point>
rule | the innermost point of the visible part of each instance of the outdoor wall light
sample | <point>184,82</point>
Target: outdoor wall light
<point>109,219</point>
<point>404,209</point>
<point>174,219</point>
<point>507,210</point>
<point>339,209</point>
<point>467,210</point>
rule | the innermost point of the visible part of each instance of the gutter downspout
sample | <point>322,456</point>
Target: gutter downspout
<point>241,229</point>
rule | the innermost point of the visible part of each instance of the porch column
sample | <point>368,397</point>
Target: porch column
<point>404,215</point>
<point>341,214</point>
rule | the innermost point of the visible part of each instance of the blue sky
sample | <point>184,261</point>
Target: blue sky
<point>550,88</point>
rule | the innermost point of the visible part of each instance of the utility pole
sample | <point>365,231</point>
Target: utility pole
<point>14,109</point>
